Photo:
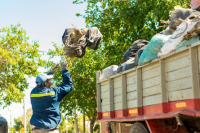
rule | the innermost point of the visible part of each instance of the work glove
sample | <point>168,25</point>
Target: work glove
<point>64,65</point>
<point>53,70</point>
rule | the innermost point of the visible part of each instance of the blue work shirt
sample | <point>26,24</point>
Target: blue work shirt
<point>45,103</point>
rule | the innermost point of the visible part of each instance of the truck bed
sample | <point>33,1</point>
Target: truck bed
<point>165,85</point>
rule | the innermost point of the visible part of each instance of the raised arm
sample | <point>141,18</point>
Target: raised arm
<point>67,84</point>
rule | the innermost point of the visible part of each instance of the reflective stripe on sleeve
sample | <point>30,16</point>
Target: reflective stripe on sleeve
<point>43,94</point>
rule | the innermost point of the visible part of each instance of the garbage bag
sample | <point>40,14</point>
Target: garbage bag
<point>177,15</point>
<point>138,54</point>
<point>189,25</point>
<point>131,52</point>
<point>187,42</point>
<point>129,64</point>
<point>126,65</point>
<point>167,31</point>
<point>93,37</point>
<point>152,49</point>
<point>109,71</point>
<point>120,68</point>
<point>76,41</point>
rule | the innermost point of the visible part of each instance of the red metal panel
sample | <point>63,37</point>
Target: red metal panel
<point>158,126</point>
<point>152,116</point>
<point>121,113</point>
<point>158,108</point>
<point>134,111</point>
<point>118,113</point>
<point>140,111</point>
<point>99,115</point>
<point>110,114</point>
<point>125,113</point>
<point>155,127</point>
<point>192,104</point>
<point>185,107</point>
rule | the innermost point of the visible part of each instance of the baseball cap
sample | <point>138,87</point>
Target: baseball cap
<point>42,77</point>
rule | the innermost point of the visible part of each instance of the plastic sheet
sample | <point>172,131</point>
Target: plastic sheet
<point>187,42</point>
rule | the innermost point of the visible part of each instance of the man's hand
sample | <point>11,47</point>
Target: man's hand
<point>64,65</point>
<point>53,70</point>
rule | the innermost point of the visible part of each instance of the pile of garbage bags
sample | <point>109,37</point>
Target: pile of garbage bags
<point>76,41</point>
<point>183,30</point>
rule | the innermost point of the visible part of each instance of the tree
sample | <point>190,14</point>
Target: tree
<point>70,123</point>
<point>18,60</point>
<point>18,124</point>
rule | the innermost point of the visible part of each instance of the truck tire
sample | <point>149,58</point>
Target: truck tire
<point>139,127</point>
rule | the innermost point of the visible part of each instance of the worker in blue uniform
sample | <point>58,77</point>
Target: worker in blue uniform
<point>45,100</point>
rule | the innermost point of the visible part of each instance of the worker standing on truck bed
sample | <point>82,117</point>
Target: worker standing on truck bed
<point>45,100</point>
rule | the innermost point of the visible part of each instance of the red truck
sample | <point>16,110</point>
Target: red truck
<point>162,96</point>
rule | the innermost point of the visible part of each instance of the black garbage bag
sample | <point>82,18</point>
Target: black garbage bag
<point>139,52</point>
<point>129,64</point>
<point>93,38</point>
<point>177,15</point>
<point>126,65</point>
<point>131,52</point>
<point>120,68</point>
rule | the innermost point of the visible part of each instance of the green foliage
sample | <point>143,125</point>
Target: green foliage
<point>71,125</point>
<point>123,21</point>
<point>18,124</point>
<point>97,128</point>
<point>18,59</point>
<point>62,126</point>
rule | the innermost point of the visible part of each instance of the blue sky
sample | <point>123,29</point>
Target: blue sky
<point>44,21</point>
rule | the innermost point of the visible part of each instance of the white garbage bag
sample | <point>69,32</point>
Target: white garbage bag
<point>109,71</point>
<point>176,38</point>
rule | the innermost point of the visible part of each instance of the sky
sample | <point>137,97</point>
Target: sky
<point>44,21</point>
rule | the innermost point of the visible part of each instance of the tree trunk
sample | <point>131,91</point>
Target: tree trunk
<point>92,121</point>
<point>83,120</point>
<point>91,127</point>
<point>76,121</point>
